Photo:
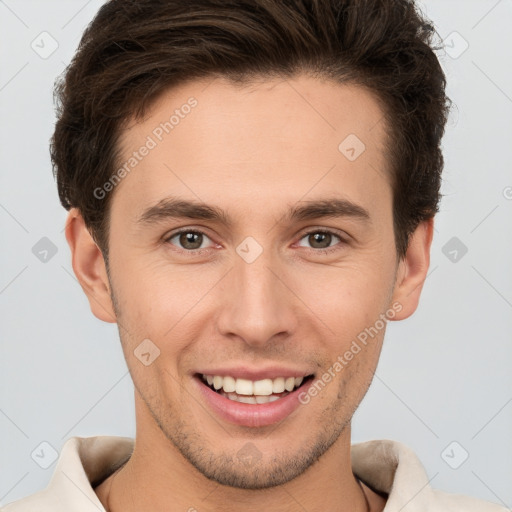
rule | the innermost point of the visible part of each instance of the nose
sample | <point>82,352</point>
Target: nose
<point>255,303</point>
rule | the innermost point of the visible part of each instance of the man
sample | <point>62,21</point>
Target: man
<point>251,189</point>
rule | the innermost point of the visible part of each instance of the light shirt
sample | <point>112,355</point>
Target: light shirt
<point>385,466</point>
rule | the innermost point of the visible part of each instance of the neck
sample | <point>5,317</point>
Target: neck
<point>157,475</point>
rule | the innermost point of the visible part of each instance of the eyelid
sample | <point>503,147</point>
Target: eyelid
<point>332,231</point>
<point>319,229</point>
<point>167,237</point>
<point>344,238</point>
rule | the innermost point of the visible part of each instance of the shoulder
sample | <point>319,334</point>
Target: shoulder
<point>449,502</point>
<point>37,502</point>
<point>393,468</point>
<point>82,464</point>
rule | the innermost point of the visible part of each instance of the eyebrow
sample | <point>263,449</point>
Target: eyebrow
<point>175,208</point>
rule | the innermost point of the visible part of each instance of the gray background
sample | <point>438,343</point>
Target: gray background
<point>444,375</point>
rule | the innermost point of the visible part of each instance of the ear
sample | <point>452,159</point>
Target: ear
<point>412,270</point>
<point>89,267</point>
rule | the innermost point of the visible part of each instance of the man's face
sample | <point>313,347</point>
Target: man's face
<point>264,291</point>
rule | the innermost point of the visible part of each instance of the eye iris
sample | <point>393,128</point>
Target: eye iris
<point>322,236</point>
<point>188,237</point>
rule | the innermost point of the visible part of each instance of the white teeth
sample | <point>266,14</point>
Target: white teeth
<point>217,382</point>
<point>288,385</point>
<point>247,399</point>
<point>229,384</point>
<point>243,387</point>
<point>256,399</point>
<point>263,387</point>
<point>278,385</point>
<point>259,388</point>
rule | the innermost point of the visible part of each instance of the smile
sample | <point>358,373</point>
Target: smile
<point>252,403</point>
<point>253,392</point>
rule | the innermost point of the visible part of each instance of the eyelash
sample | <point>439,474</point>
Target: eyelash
<point>198,252</point>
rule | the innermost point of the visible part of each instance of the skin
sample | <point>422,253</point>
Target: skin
<point>252,151</point>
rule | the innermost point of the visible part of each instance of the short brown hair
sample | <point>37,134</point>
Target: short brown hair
<point>134,50</point>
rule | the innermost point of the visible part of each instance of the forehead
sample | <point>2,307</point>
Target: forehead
<point>261,142</point>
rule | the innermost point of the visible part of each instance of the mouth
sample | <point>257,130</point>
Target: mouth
<point>253,392</point>
<point>252,403</point>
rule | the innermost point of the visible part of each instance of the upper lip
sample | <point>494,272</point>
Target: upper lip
<point>245,372</point>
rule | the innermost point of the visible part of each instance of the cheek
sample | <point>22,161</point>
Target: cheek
<point>166,307</point>
<point>349,295</point>
<point>347,304</point>
<point>154,297</point>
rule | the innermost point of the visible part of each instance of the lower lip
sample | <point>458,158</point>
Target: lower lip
<point>251,415</point>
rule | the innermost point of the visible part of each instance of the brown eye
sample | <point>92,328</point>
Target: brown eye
<point>321,239</point>
<point>190,240</point>
<point>187,240</point>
